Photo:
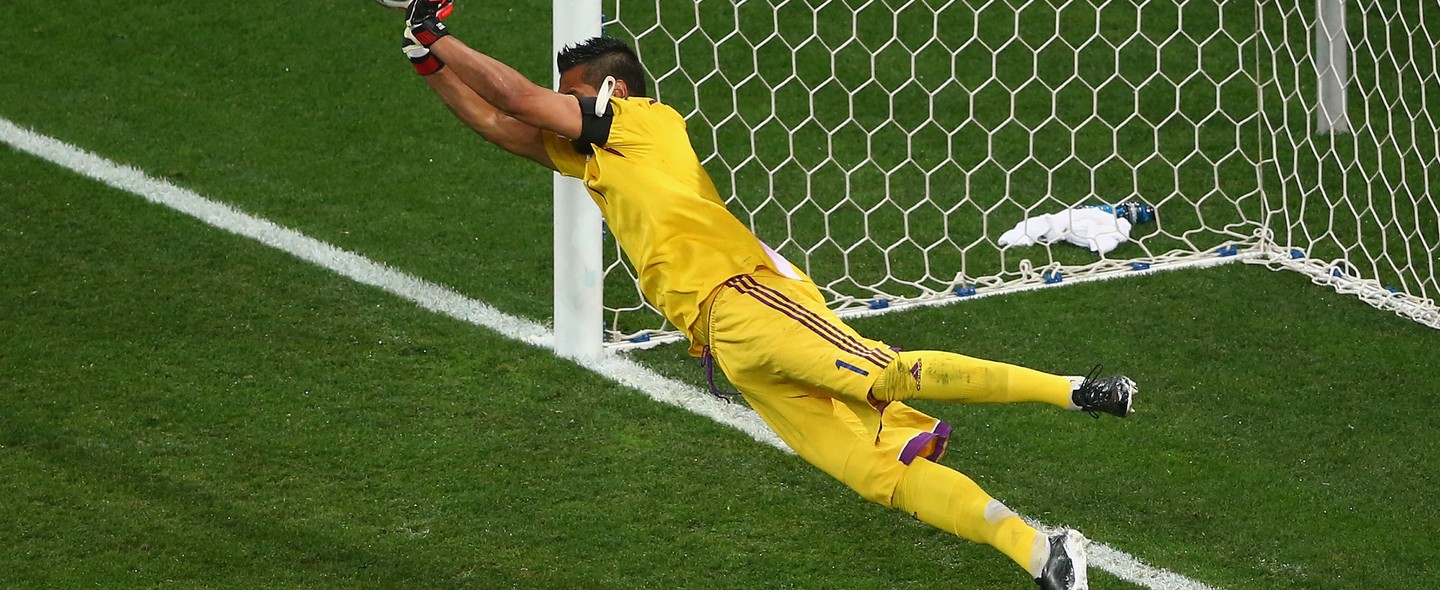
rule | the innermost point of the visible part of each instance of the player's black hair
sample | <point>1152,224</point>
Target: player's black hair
<point>604,56</point>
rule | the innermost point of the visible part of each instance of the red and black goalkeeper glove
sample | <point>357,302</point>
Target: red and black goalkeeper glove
<point>422,29</point>
<point>425,61</point>
<point>422,22</point>
<point>422,10</point>
<point>428,31</point>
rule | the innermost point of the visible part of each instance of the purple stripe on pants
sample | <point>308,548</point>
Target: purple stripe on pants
<point>940,436</point>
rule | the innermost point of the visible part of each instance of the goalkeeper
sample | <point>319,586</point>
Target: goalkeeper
<point>836,397</point>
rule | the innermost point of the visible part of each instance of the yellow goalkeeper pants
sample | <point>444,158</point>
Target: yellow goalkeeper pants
<point>834,397</point>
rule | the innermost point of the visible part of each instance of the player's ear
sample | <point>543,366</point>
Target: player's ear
<point>622,90</point>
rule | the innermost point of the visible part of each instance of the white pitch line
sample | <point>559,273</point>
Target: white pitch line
<point>445,301</point>
<point>1129,568</point>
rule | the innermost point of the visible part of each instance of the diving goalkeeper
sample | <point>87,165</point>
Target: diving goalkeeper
<point>836,397</point>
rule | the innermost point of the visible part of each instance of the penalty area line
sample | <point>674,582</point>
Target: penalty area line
<point>442,300</point>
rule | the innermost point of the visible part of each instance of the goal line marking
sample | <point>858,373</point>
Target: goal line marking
<point>443,300</point>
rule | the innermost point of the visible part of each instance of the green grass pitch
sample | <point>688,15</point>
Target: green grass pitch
<point>183,408</point>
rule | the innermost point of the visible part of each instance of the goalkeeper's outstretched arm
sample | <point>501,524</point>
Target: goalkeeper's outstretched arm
<point>509,90</point>
<point>497,127</point>
<point>492,98</point>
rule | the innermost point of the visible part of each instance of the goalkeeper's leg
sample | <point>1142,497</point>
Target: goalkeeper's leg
<point>946,376</point>
<point>829,435</point>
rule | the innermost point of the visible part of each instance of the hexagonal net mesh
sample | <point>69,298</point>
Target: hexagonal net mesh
<point>884,146</point>
<point>1354,210</point>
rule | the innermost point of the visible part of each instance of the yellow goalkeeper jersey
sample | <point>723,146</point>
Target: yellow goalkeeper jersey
<point>638,165</point>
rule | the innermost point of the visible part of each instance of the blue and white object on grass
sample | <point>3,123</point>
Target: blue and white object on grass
<point>1133,211</point>
<point>1091,228</point>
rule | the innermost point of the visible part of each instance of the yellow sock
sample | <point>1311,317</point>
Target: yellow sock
<point>947,500</point>
<point>946,376</point>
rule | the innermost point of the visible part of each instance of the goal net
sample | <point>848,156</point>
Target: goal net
<point>1350,106</point>
<point>886,146</point>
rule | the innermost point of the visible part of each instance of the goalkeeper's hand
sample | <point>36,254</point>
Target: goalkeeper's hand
<point>421,57</point>
<point>422,21</point>
<point>420,11</point>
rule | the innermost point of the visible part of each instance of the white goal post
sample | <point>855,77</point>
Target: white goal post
<point>579,263</point>
<point>886,145</point>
